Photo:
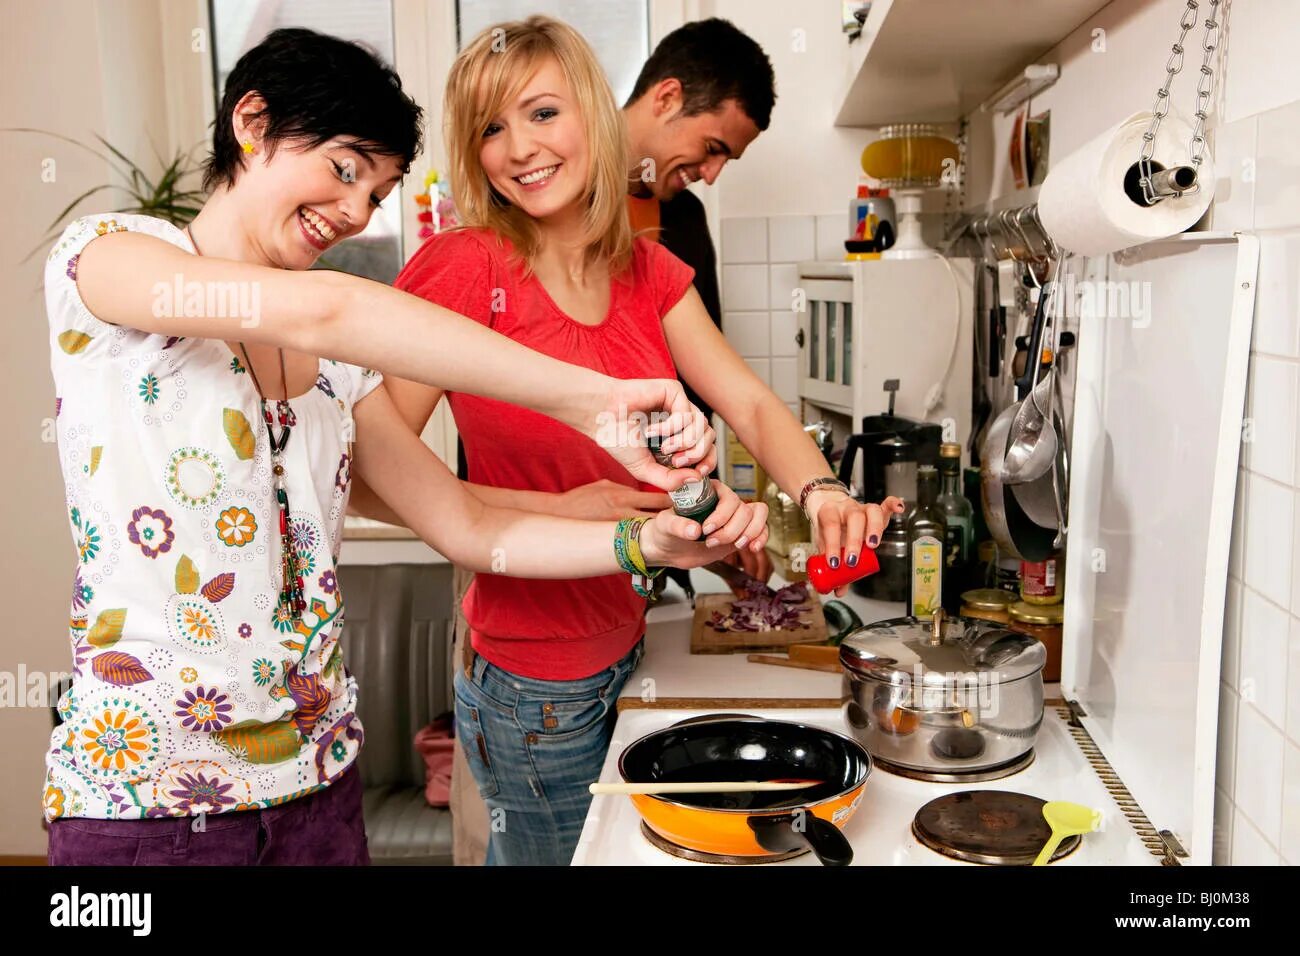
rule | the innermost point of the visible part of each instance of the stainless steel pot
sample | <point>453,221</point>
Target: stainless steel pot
<point>951,695</point>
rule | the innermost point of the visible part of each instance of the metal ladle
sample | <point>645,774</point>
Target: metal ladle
<point>1033,443</point>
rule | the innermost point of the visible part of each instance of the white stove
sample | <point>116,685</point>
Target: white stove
<point>881,830</point>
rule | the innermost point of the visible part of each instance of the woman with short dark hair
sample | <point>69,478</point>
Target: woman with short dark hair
<point>207,449</point>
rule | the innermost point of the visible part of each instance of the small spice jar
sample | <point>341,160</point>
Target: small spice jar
<point>991,604</point>
<point>1046,622</point>
<point>1041,582</point>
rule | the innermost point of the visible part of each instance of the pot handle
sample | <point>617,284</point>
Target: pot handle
<point>831,846</point>
<point>778,834</point>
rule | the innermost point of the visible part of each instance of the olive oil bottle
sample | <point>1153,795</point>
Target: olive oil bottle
<point>958,515</point>
<point>926,530</point>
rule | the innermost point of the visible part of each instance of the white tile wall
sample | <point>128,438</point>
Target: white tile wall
<point>1277,296</point>
<point>744,240</point>
<point>760,258</point>
<point>791,238</point>
<point>783,279</point>
<point>1249,846</point>
<point>1234,166</point>
<point>1277,189</point>
<point>748,333</point>
<point>831,233</point>
<point>1269,533</point>
<point>785,379</point>
<point>1292,727</point>
<point>785,326</point>
<point>1257,812</point>
<point>760,270</point>
<point>1257,791</point>
<point>744,287</point>
<point>1271,407</point>
<point>1265,631</point>
<point>1290,840</point>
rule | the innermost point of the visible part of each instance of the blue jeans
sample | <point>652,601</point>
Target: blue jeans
<point>533,747</point>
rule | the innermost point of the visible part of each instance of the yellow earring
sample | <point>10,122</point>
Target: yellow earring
<point>248,148</point>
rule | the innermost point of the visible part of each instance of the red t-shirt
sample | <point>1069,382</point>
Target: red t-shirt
<point>552,629</point>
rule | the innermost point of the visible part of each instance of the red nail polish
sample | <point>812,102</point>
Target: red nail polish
<point>826,579</point>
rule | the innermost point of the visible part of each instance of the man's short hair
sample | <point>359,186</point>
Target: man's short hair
<point>714,62</point>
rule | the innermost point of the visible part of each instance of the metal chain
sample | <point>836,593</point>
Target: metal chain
<point>1205,86</point>
<point>1160,108</point>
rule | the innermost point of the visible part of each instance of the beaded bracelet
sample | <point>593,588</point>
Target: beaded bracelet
<point>627,548</point>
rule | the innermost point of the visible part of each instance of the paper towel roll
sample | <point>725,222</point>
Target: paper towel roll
<point>1083,205</point>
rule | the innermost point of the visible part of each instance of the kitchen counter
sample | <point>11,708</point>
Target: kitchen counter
<point>671,676</point>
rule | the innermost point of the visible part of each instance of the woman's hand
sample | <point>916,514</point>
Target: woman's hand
<point>758,565</point>
<point>606,500</point>
<point>671,539</point>
<point>635,409</point>
<point>840,522</point>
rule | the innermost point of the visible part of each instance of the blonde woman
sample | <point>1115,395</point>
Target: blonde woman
<point>537,154</point>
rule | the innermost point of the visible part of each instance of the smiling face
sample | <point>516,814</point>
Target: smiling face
<point>688,148</point>
<point>301,202</point>
<point>534,150</point>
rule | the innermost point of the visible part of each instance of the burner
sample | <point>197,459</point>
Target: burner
<point>698,856</point>
<point>996,772</point>
<point>988,826</point>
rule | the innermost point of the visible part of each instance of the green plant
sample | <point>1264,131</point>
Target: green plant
<point>165,198</point>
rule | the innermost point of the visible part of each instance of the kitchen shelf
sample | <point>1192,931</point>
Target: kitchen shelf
<point>935,61</point>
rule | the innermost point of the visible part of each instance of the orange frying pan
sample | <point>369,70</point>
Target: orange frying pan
<point>750,824</point>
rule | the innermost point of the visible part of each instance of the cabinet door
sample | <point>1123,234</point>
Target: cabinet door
<point>825,343</point>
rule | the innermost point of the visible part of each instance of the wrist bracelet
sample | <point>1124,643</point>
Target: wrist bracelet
<point>627,548</point>
<point>816,484</point>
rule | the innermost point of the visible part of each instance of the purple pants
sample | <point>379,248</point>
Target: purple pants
<point>322,829</point>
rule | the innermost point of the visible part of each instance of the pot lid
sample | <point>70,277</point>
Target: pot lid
<point>904,650</point>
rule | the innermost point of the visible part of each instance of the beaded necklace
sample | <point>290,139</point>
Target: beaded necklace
<point>293,598</point>
<point>292,601</point>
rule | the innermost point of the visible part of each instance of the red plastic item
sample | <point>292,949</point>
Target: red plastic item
<point>826,579</point>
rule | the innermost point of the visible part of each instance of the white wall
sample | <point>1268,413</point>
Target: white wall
<point>803,163</point>
<point>76,69</point>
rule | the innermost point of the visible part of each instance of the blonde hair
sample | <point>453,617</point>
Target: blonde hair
<point>490,72</point>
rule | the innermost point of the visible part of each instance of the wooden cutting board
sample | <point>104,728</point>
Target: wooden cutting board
<point>707,640</point>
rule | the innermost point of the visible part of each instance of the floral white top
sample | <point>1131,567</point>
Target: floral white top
<point>191,692</point>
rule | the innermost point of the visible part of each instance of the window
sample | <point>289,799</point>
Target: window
<point>618,30</point>
<point>239,25</point>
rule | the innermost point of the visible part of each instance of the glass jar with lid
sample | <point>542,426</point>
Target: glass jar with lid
<point>1046,622</point>
<point>989,604</point>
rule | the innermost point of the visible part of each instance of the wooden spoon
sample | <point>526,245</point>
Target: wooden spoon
<point>717,786</point>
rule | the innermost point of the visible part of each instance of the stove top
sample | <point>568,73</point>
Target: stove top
<point>881,832</point>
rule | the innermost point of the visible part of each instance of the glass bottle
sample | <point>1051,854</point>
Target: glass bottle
<point>959,516</point>
<point>696,499</point>
<point>926,530</point>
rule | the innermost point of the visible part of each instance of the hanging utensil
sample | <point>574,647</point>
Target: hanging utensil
<point>1031,447</point>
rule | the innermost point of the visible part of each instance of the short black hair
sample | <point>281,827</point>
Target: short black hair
<point>714,62</point>
<point>316,87</point>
